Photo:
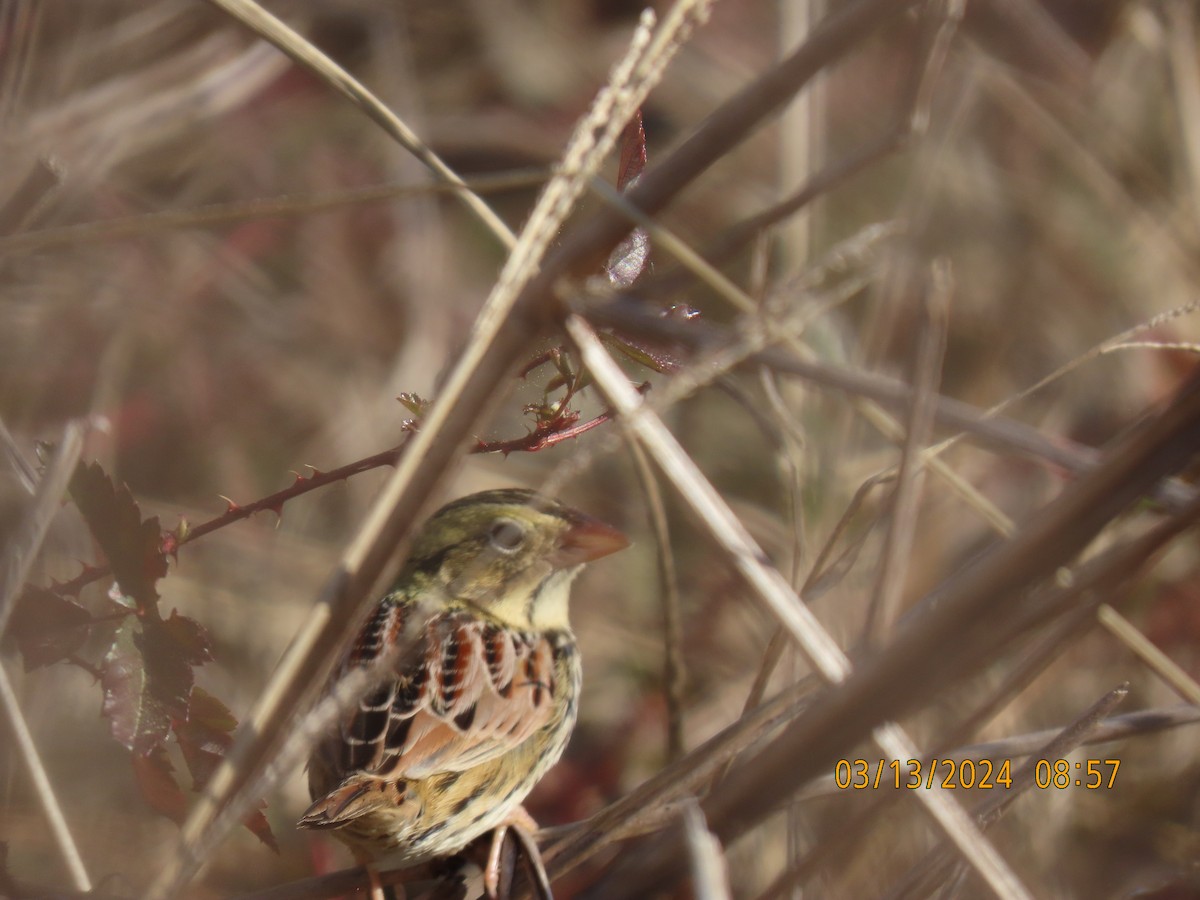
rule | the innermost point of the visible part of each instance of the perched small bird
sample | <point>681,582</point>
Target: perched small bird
<point>468,720</point>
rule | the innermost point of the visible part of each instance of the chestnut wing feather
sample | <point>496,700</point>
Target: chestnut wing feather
<point>469,692</point>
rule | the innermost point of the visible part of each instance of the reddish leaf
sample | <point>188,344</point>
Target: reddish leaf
<point>261,828</point>
<point>633,152</point>
<point>208,711</point>
<point>190,637</point>
<point>629,258</point>
<point>147,682</point>
<point>205,736</point>
<point>169,664</point>
<point>204,739</point>
<point>156,780</point>
<point>132,546</point>
<point>46,627</point>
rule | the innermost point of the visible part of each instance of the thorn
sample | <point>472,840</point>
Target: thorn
<point>233,507</point>
<point>315,471</point>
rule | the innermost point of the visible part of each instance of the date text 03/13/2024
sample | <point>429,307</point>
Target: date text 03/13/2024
<point>968,774</point>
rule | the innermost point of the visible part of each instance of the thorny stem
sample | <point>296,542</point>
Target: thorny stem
<point>562,427</point>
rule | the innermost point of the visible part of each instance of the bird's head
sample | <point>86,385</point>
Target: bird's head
<point>511,554</point>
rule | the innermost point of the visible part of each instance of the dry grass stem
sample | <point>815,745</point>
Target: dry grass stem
<point>674,676</point>
<point>222,214</point>
<point>903,529</point>
<point>916,518</point>
<point>936,867</point>
<point>373,556</point>
<point>1155,660</point>
<point>819,648</point>
<point>21,549</point>
<point>306,55</point>
<point>21,741</point>
<point>646,807</point>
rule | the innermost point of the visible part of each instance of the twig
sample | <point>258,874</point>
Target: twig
<point>1154,659</point>
<point>933,869</point>
<point>625,817</point>
<point>22,549</point>
<point>1185,72</point>
<point>902,529</point>
<point>23,469</point>
<point>1113,728</point>
<point>502,329</point>
<point>1103,576</point>
<point>726,245</point>
<point>281,207</point>
<point>818,647</point>
<point>538,439</point>
<point>337,884</point>
<point>674,665</point>
<point>22,740</point>
<point>306,55</point>
<point>972,603</point>
<point>992,431</point>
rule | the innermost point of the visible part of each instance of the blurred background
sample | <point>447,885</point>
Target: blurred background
<point>187,257</point>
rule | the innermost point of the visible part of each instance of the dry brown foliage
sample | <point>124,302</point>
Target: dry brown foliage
<point>917,478</point>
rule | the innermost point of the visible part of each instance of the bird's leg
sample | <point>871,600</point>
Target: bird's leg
<point>523,828</point>
<point>491,874</point>
<point>377,891</point>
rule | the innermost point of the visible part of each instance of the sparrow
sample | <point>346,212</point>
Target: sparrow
<point>482,693</point>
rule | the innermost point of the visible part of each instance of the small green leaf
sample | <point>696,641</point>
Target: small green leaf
<point>415,404</point>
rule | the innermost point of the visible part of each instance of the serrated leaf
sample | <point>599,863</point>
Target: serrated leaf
<point>131,546</point>
<point>155,778</point>
<point>204,739</point>
<point>191,638</point>
<point>205,736</point>
<point>207,710</point>
<point>47,628</point>
<point>147,682</point>
<point>258,825</point>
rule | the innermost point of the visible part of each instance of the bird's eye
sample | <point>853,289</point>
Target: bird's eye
<point>507,536</point>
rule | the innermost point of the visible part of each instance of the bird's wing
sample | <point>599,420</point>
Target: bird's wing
<point>470,692</point>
